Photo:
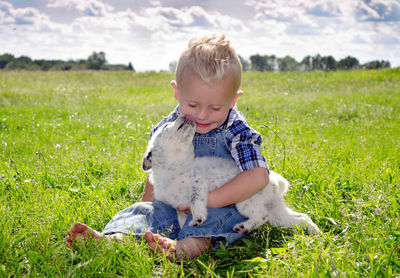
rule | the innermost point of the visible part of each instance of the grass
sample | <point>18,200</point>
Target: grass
<point>72,146</point>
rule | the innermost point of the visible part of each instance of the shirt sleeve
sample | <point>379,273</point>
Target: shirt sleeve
<point>171,117</point>
<point>245,146</point>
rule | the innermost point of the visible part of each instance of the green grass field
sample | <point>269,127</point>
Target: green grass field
<point>72,145</point>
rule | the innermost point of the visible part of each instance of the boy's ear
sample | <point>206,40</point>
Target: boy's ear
<point>238,94</point>
<point>147,161</point>
<point>175,87</point>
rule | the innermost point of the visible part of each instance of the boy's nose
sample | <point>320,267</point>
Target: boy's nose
<point>202,114</point>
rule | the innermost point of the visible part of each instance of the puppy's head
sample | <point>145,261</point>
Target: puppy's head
<point>171,143</point>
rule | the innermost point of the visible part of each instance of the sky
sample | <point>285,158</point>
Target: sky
<point>151,34</point>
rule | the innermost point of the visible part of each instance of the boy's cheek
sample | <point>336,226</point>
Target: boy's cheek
<point>184,110</point>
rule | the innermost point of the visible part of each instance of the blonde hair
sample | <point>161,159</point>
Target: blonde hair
<point>211,57</point>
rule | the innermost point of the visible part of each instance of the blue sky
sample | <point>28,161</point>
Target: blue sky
<point>151,34</point>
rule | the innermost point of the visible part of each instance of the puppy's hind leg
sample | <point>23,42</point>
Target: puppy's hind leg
<point>256,216</point>
<point>250,224</point>
<point>282,216</point>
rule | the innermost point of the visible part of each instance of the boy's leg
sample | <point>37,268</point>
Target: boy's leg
<point>175,250</point>
<point>218,227</point>
<point>134,220</point>
<point>145,216</point>
<point>193,241</point>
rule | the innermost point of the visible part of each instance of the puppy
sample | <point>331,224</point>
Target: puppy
<point>180,178</point>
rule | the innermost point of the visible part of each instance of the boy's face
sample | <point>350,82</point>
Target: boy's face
<point>208,105</point>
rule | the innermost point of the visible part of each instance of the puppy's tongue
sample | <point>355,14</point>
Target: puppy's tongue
<point>189,118</point>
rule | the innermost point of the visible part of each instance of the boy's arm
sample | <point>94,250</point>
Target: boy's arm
<point>240,188</point>
<point>148,195</point>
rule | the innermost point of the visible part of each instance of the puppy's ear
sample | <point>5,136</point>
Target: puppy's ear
<point>147,161</point>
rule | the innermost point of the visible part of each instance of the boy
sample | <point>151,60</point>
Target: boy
<point>208,77</point>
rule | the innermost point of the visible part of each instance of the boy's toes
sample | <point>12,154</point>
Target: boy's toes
<point>83,232</point>
<point>168,246</point>
<point>149,237</point>
<point>79,228</point>
<point>68,240</point>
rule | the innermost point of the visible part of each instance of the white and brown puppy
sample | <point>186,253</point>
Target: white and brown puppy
<point>180,178</point>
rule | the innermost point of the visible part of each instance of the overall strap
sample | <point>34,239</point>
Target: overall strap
<point>211,144</point>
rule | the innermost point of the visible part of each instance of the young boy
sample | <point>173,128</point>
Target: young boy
<point>208,77</point>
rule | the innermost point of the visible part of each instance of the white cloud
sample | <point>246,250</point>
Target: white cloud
<point>88,7</point>
<point>153,35</point>
<point>5,14</point>
<point>10,17</point>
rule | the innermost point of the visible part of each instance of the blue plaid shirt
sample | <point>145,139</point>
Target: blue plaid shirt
<point>243,142</point>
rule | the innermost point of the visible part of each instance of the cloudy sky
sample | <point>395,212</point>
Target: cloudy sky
<point>151,34</point>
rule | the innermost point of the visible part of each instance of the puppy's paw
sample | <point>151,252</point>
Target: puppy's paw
<point>313,229</point>
<point>240,229</point>
<point>197,221</point>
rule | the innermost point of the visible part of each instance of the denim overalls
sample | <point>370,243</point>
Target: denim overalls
<point>161,218</point>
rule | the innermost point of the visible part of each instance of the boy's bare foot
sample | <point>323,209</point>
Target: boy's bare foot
<point>82,231</point>
<point>177,250</point>
<point>160,244</point>
<point>174,250</point>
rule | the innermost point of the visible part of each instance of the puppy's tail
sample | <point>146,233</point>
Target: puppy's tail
<point>280,182</point>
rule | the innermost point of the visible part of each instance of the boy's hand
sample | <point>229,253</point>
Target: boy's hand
<point>184,208</point>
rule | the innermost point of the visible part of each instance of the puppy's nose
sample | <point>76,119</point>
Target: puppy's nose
<point>189,118</point>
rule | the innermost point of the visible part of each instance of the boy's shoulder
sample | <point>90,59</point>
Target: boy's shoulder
<point>244,142</point>
<point>170,118</point>
<point>237,123</point>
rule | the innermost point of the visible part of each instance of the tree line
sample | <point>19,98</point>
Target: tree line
<point>96,61</point>
<point>257,62</point>
<point>309,63</point>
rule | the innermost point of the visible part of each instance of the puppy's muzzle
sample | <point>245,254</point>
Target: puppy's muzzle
<point>188,120</point>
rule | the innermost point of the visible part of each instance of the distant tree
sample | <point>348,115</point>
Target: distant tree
<point>48,64</point>
<point>385,64</point>
<point>44,64</point>
<point>306,64</point>
<point>264,63</point>
<point>348,63</point>
<point>81,64</point>
<point>272,63</point>
<point>258,62</point>
<point>172,66</point>
<point>22,62</point>
<point>245,63</point>
<point>376,64</point>
<point>130,67</point>
<point>5,59</point>
<point>316,62</point>
<point>96,61</point>
<point>328,63</point>
<point>288,64</point>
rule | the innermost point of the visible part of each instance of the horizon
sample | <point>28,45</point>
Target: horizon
<point>169,70</point>
<point>152,34</point>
